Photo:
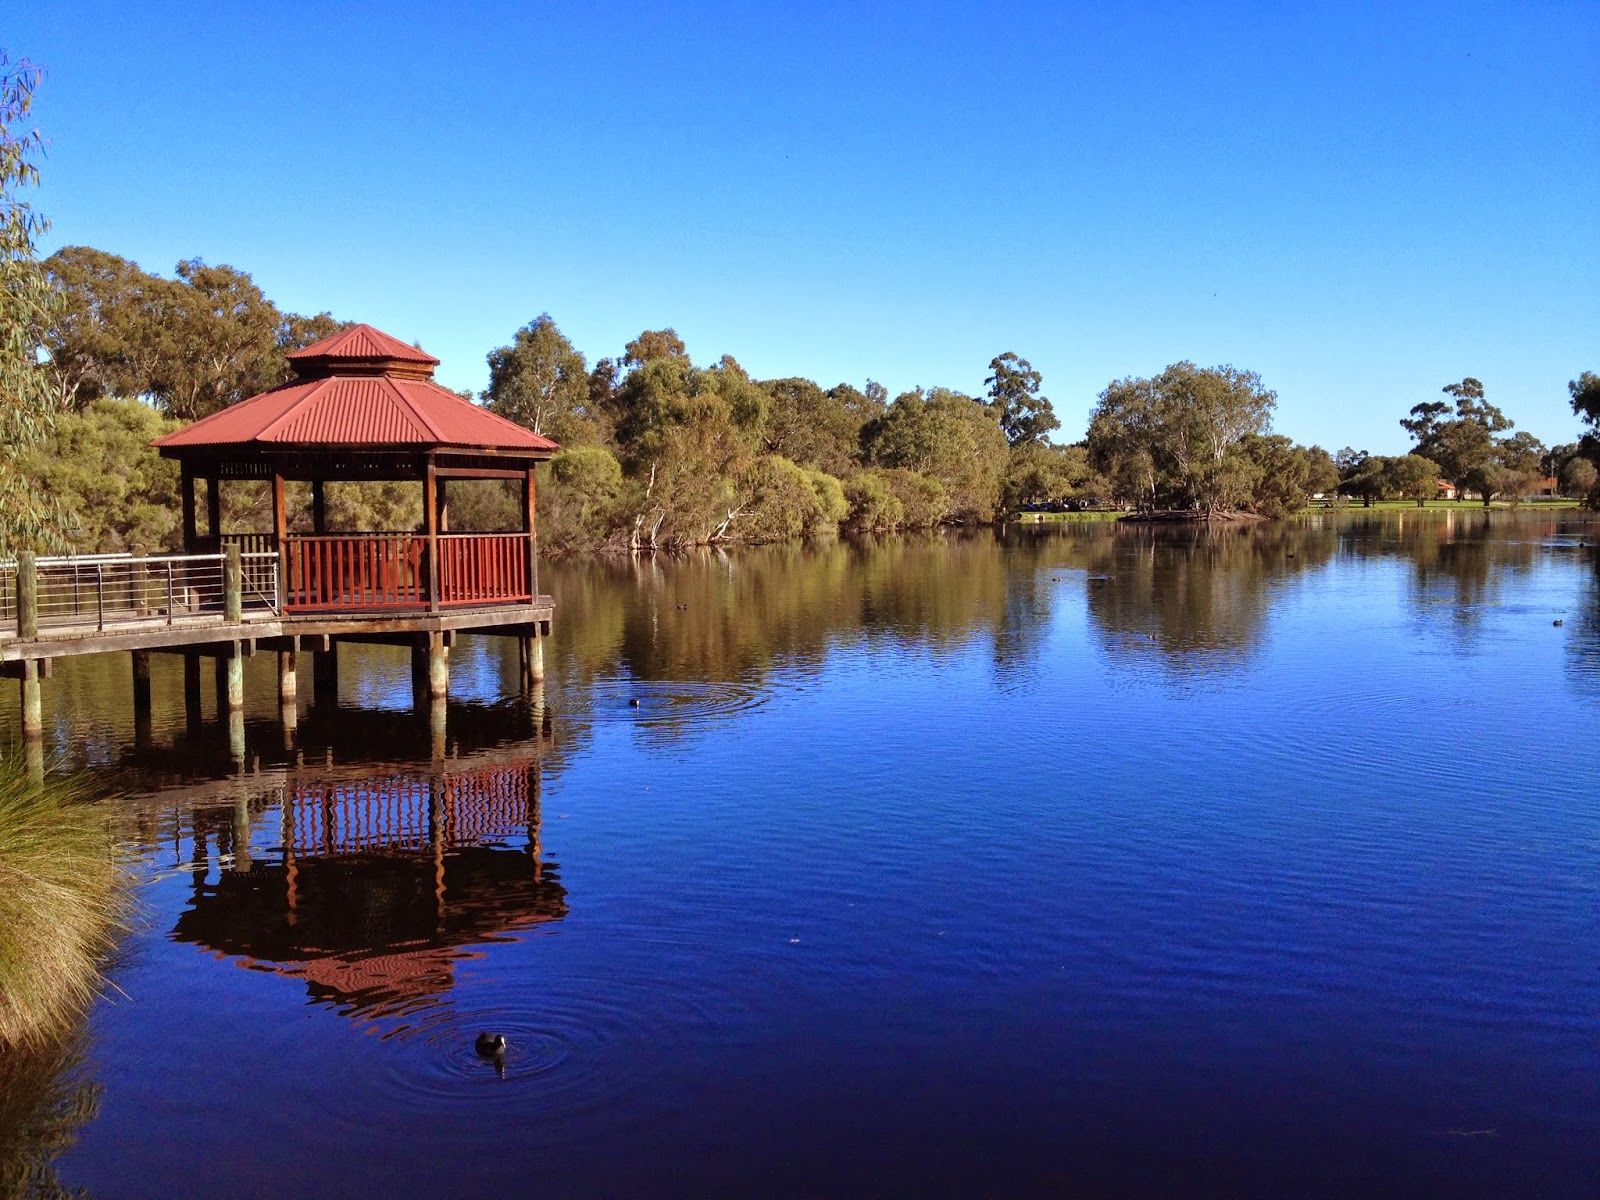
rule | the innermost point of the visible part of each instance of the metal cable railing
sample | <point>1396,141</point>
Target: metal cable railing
<point>102,590</point>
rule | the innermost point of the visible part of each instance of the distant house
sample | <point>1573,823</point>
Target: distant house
<point>1548,486</point>
<point>1447,490</point>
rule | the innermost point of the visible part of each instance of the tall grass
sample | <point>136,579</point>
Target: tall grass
<point>63,902</point>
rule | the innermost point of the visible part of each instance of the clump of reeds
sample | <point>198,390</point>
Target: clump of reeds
<point>63,902</point>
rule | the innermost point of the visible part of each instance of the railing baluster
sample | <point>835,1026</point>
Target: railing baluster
<point>100,596</point>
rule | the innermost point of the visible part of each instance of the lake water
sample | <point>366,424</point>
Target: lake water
<point>1089,861</point>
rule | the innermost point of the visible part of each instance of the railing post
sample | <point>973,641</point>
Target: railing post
<point>27,596</point>
<point>100,596</point>
<point>171,593</point>
<point>233,587</point>
<point>139,576</point>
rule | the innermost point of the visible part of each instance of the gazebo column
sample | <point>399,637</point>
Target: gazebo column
<point>530,512</point>
<point>214,510</point>
<point>190,527</point>
<point>319,507</point>
<point>280,537</point>
<point>430,517</point>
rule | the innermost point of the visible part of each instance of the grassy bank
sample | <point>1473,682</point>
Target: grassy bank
<point>1063,518</point>
<point>63,901</point>
<point>1447,506</point>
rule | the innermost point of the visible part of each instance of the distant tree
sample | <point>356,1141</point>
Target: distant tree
<point>1585,393</point>
<point>1554,460</point>
<point>191,345</point>
<point>815,428</point>
<point>100,341</point>
<point>1464,446</point>
<point>1522,453</point>
<point>948,437</point>
<point>582,501</point>
<point>220,335</point>
<point>115,493</point>
<point>687,434</point>
<point>1014,398</point>
<point>1412,477</point>
<point>542,383</point>
<point>1367,478</point>
<point>1039,474</point>
<point>1285,475</point>
<point>1175,441</point>
<point>296,332</point>
<point>28,517</point>
<point>1579,477</point>
<point>653,344</point>
<point>873,506</point>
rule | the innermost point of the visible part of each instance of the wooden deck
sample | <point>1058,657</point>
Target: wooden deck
<point>270,630</point>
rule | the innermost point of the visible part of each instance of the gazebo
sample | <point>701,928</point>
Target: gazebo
<point>363,406</point>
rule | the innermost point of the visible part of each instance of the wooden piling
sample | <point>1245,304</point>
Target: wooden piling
<point>288,677</point>
<point>233,587</point>
<point>235,678</point>
<point>325,675</point>
<point>27,596</point>
<point>191,693</point>
<point>141,683</point>
<point>142,735</point>
<point>32,701</point>
<point>438,667</point>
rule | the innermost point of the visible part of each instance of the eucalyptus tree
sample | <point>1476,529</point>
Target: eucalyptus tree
<point>1585,393</point>
<point>191,345</point>
<point>1411,477</point>
<point>27,516</point>
<point>541,381</point>
<point>1014,398</point>
<point>1463,444</point>
<point>1176,441</point>
<point>816,428</point>
<point>948,437</point>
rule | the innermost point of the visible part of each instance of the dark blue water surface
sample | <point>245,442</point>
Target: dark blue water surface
<point>1099,861</point>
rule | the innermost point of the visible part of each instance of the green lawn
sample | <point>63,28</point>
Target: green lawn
<point>1541,505</point>
<point>1063,518</point>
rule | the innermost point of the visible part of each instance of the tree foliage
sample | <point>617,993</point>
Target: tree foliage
<point>27,516</point>
<point>542,382</point>
<point>1023,413</point>
<point>949,438</point>
<point>192,345</point>
<point>113,491</point>
<point>1177,441</point>
<point>1464,444</point>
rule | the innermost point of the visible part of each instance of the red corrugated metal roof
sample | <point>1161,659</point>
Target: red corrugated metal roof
<point>363,342</point>
<point>358,409</point>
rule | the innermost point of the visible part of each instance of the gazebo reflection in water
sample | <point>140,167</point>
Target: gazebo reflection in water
<point>380,885</point>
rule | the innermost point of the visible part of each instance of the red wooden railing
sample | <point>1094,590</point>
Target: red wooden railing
<point>356,571</point>
<point>345,571</point>
<point>483,568</point>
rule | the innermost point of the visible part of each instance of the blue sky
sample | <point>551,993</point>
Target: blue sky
<point>1362,202</point>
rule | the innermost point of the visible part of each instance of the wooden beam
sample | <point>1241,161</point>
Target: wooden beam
<point>478,472</point>
<point>430,514</point>
<point>530,517</point>
<point>214,506</point>
<point>191,533</point>
<point>280,531</point>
